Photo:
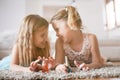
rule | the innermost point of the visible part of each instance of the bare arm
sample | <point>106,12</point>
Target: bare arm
<point>59,56</point>
<point>97,61</point>
<point>14,64</point>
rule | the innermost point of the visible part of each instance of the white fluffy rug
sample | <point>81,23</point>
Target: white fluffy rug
<point>110,71</point>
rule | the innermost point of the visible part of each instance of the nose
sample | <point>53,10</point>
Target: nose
<point>44,39</point>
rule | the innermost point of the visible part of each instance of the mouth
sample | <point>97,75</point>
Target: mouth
<point>42,45</point>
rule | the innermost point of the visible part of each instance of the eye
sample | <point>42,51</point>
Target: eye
<point>56,29</point>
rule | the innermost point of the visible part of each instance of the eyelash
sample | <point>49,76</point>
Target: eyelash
<point>56,30</point>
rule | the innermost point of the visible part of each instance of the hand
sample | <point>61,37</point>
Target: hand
<point>34,66</point>
<point>51,63</point>
<point>81,66</point>
<point>61,68</point>
<point>45,65</point>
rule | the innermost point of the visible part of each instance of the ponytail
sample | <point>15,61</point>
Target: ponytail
<point>70,15</point>
<point>74,20</point>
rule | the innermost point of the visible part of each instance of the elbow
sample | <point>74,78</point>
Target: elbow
<point>100,64</point>
<point>97,65</point>
<point>11,66</point>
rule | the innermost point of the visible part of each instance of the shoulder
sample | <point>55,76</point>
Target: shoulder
<point>59,44</point>
<point>92,38</point>
<point>15,55</point>
<point>15,46</point>
<point>59,41</point>
<point>15,49</point>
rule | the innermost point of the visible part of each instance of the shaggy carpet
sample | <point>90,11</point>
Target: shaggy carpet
<point>109,71</point>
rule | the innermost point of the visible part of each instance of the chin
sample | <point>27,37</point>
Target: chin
<point>65,40</point>
<point>41,46</point>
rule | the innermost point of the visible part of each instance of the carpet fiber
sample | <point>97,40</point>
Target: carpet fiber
<point>110,71</point>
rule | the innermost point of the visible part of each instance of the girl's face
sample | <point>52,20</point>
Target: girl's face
<point>40,37</point>
<point>62,30</point>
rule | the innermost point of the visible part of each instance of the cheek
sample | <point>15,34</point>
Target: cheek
<point>39,43</point>
<point>64,34</point>
<point>67,37</point>
<point>37,40</point>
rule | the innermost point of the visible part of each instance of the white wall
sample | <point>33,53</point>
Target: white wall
<point>92,15</point>
<point>114,33</point>
<point>33,7</point>
<point>91,11</point>
<point>11,13</point>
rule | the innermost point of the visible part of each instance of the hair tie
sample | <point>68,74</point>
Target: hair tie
<point>66,9</point>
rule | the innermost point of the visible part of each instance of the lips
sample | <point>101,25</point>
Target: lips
<point>42,45</point>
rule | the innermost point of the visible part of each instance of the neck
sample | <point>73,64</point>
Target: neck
<point>77,37</point>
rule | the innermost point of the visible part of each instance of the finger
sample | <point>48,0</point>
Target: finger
<point>43,58</point>
<point>39,57</point>
<point>34,65</point>
<point>81,66</point>
<point>64,69</point>
<point>49,66</point>
<point>51,62</point>
<point>32,69</point>
<point>76,64</point>
<point>83,69</point>
<point>46,59</point>
<point>39,66</point>
<point>51,59</point>
<point>29,68</point>
<point>87,68</point>
<point>31,64</point>
<point>36,61</point>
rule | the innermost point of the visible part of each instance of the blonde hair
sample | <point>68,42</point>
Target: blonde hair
<point>26,49</point>
<point>70,15</point>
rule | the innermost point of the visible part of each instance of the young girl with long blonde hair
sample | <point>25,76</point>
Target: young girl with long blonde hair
<point>81,48</point>
<point>32,41</point>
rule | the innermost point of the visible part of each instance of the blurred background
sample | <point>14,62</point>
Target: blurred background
<point>99,17</point>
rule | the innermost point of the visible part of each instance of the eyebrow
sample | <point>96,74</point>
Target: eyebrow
<point>55,28</point>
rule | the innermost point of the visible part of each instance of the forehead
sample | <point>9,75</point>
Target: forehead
<point>59,23</point>
<point>41,30</point>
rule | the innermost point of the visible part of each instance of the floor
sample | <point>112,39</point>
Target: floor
<point>98,79</point>
<point>103,78</point>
